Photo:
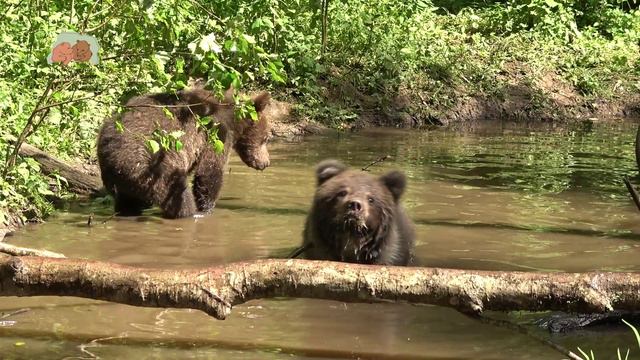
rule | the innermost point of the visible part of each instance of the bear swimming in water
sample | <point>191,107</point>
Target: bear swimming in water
<point>138,178</point>
<point>356,217</point>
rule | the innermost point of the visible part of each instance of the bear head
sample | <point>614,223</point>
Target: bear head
<point>355,210</point>
<point>249,136</point>
<point>250,140</point>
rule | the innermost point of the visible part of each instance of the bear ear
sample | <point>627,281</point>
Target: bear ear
<point>395,181</point>
<point>261,101</point>
<point>328,169</point>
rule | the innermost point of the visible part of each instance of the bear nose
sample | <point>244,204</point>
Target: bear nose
<point>355,205</point>
<point>262,165</point>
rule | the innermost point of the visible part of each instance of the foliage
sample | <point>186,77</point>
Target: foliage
<point>591,356</point>
<point>431,53</point>
<point>145,47</point>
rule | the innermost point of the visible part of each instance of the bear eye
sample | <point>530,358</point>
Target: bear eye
<point>342,193</point>
<point>370,200</point>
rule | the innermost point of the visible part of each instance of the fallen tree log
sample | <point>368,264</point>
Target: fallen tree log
<point>78,182</point>
<point>215,290</point>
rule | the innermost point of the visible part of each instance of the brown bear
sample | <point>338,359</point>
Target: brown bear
<point>356,217</point>
<point>138,178</point>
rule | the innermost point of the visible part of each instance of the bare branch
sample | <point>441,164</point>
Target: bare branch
<point>86,19</point>
<point>215,290</point>
<point>11,159</point>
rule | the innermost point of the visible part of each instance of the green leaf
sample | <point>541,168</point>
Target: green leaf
<point>45,191</point>
<point>250,39</point>
<point>268,22</point>
<point>209,44</point>
<point>274,69</point>
<point>257,24</point>
<point>192,47</point>
<point>179,145</point>
<point>119,126</point>
<point>204,121</point>
<point>180,65</point>
<point>167,113</point>
<point>230,45</point>
<point>218,146</point>
<point>153,146</point>
<point>586,357</point>
<point>60,179</point>
<point>635,331</point>
<point>23,172</point>
<point>253,113</point>
<point>176,134</point>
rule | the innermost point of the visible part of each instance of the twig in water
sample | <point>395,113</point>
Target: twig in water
<point>300,250</point>
<point>633,192</point>
<point>96,343</point>
<point>109,218</point>
<point>13,313</point>
<point>379,160</point>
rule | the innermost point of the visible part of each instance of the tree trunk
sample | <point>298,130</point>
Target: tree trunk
<point>78,181</point>
<point>215,290</point>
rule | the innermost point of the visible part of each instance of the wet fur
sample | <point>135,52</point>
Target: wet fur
<point>138,179</point>
<point>379,233</point>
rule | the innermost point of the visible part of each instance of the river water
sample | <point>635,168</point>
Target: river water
<point>494,198</point>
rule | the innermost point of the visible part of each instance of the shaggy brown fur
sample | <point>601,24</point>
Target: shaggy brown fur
<point>138,179</point>
<point>356,217</point>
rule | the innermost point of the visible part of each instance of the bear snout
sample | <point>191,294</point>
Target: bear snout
<point>255,158</point>
<point>355,206</point>
<point>261,165</point>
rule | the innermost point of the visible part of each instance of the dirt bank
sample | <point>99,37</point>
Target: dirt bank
<point>519,96</point>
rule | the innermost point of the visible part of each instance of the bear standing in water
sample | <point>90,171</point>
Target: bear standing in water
<point>138,178</point>
<point>357,218</point>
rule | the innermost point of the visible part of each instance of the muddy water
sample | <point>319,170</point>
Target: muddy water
<point>497,198</point>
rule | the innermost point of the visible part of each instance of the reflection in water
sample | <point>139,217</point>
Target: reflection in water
<point>496,199</point>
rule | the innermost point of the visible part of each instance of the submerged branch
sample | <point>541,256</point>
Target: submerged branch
<point>378,160</point>
<point>20,251</point>
<point>215,290</point>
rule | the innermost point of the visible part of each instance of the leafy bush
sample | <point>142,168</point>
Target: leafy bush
<point>430,52</point>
